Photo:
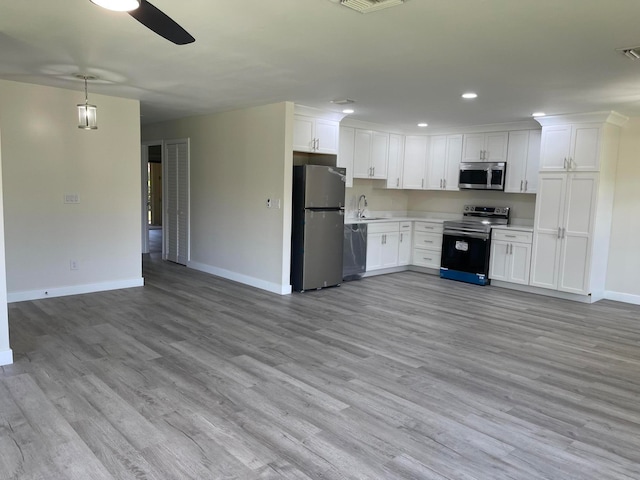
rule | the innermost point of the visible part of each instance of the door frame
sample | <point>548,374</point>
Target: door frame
<point>144,178</point>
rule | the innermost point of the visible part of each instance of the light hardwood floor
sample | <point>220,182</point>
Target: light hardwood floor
<point>403,376</point>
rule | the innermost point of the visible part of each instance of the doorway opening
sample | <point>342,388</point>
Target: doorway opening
<point>154,198</point>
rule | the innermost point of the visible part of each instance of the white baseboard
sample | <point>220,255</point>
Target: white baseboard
<point>622,297</point>
<point>13,297</point>
<point>240,278</point>
<point>6,357</point>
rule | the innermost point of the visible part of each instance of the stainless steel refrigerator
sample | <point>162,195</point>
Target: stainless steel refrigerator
<point>317,227</point>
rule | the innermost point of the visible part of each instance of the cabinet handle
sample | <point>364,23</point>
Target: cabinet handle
<point>428,241</point>
<point>526,183</point>
<point>373,169</point>
<point>565,163</point>
<point>422,185</point>
<point>481,154</point>
<point>444,182</point>
<point>398,182</point>
<point>571,163</point>
<point>510,236</point>
<point>401,237</point>
<point>564,232</point>
<point>559,232</point>
<point>511,245</point>
<point>521,182</point>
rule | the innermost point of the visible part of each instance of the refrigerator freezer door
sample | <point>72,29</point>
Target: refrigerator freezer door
<point>324,186</point>
<point>323,244</point>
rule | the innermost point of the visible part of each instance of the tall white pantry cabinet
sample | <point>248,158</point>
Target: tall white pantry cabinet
<point>575,202</point>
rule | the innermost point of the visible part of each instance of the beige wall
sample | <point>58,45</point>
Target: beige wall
<point>238,160</point>
<point>44,157</point>
<point>624,252</point>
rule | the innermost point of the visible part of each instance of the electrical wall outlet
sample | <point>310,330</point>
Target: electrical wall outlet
<point>71,198</point>
<point>269,203</point>
<point>73,265</point>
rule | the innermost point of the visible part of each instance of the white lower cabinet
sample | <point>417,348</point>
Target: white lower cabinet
<point>427,244</point>
<point>510,258</point>
<point>404,244</point>
<point>383,240</point>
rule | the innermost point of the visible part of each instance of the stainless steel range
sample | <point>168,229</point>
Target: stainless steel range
<point>466,244</point>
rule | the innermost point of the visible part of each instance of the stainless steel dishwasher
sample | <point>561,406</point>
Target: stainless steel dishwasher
<point>355,251</point>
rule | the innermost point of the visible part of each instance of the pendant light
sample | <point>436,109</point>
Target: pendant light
<point>87,114</point>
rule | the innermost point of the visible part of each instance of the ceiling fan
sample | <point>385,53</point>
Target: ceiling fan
<point>151,17</point>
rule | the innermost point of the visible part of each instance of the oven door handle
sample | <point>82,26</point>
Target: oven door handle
<point>458,233</point>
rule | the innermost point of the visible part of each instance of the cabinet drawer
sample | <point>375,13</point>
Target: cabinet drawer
<point>431,241</point>
<point>426,258</point>
<point>383,227</point>
<point>405,226</point>
<point>429,227</point>
<point>512,236</point>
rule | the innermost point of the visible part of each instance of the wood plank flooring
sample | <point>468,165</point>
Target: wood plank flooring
<point>402,376</point>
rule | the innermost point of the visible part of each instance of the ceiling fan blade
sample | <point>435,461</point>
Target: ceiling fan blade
<point>154,19</point>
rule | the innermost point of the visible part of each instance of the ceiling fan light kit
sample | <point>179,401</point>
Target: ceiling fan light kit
<point>117,5</point>
<point>87,113</point>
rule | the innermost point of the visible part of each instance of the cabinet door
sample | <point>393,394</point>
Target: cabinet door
<point>555,148</point>
<point>499,261</point>
<point>452,168</point>
<point>495,146</point>
<point>345,152</point>
<point>362,154</point>
<point>585,148</point>
<point>519,263</point>
<point>303,133</point>
<point>578,224</point>
<point>404,248</point>
<point>390,250</point>
<point>379,154</point>
<point>374,251</point>
<point>517,161</point>
<point>436,161</point>
<point>415,154</point>
<point>326,134</point>
<point>396,155</point>
<point>546,235</point>
<point>533,162</point>
<point>473,147</point>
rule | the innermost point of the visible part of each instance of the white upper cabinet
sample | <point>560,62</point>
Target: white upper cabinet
<point>396,157</point>
<point>523,159</point>
<point>345,152</point>
<point>370,154</point>
<point>315,135</point>
<point>485,147</point>
<point>573,147</point>
<point>415,157</point>
<point>443,162</point>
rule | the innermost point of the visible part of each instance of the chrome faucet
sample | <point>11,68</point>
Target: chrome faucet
<point>361,210</point>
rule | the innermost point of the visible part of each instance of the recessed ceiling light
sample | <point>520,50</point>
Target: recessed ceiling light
<point>348,110</point>
<point>118,5</point>
<point>423,124</point>
<point>469,95</point>
<point>538,114</point>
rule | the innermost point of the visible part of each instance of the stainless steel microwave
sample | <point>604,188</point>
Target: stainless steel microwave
<point>482,176</point>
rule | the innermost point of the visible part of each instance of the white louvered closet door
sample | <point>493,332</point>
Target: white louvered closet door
<point>177,201</point>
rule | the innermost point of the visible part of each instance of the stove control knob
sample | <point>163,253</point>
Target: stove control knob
<point>466,208</point>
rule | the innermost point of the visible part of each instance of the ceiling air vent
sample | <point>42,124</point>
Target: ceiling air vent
<point>631,52</point>
<point>366,6</point>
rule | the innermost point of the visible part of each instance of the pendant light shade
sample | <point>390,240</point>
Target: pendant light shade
<point>118,5</point>
<point>87,114</point>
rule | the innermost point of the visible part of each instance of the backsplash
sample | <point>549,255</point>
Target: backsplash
<point>381,199</point>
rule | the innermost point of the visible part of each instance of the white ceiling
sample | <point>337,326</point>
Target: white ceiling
<point>402,65</point>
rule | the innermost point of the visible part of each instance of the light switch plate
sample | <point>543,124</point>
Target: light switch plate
<point>71,198</point>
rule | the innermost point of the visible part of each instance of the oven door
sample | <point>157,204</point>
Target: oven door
<point>465,257</point>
